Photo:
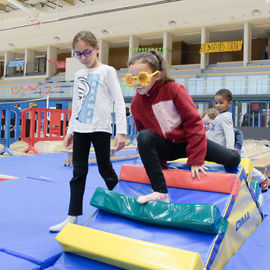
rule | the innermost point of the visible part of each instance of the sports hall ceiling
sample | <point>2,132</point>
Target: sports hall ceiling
<point>115,20</point>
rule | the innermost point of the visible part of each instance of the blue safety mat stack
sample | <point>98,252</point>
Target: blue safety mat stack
<point>39,199</point>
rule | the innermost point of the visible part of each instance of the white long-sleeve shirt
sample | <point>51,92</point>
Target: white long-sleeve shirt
<point>95,92</point>
<point>221,130</point>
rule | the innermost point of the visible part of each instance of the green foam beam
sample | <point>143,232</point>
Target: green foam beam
<point>199,217</point>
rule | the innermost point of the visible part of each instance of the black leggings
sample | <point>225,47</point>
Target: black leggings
<point>81,148</point>
<point>153,149</point>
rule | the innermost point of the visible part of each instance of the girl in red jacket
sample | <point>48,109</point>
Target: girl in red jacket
<point>169,124</point>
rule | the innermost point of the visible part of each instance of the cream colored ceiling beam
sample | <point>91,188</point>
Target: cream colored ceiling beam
<point>3,8</point>
<point>66,2</point>
<point>26,8</point>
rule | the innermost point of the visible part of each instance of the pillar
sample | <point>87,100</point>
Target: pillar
<point>104,51</point>
<point>9,56</point>
<point>134,43</point>
<point>29,61</point>
<point>167,47</point>
<point>247,44</point>
<point>51,61</point>
<point>204,56</point>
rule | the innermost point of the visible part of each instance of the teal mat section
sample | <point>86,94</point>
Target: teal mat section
<point>256,188</point>
<point>199,217</point>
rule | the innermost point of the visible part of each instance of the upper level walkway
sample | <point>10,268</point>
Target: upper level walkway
<point>243,81</point>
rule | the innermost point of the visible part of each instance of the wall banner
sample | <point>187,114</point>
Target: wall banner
<point>226,46</point>
<point>59,64</point>
<point>149,49</point>
<point>16,63</point>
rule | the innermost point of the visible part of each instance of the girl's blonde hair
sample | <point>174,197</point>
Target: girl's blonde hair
<point>85,36</point>
<point>156,62</point>
<point>212,113</point>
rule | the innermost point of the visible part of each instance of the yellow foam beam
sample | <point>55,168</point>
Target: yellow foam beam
<point>125,252</point>
<point>245,162</point>
<point>248,167</point>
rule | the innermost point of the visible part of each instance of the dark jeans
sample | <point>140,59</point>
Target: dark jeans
<point>81,147</point>
<point>153,149</point>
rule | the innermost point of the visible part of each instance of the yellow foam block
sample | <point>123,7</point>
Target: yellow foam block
<point>125,252</point>
<point>248,167</point>
<point>185,160</point>
<point>179,160</point>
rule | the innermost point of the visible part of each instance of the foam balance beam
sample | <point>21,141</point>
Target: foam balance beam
<point>198,217</point>
<point>124,252</point>
<point>227,183</point>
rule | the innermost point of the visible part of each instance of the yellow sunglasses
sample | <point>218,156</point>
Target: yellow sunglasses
<point>143,78</point>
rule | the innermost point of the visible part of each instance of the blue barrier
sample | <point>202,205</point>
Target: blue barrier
<point>113,125</point>
<point>9,127</point>
<point>131,130</point>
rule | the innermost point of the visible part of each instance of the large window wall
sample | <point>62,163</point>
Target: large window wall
<point>239,85</point>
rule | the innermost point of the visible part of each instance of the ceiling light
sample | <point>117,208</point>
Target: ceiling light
<point>256,12</point>
<point>12,45</point>
<point>104,31</point>
<point>172,22</point>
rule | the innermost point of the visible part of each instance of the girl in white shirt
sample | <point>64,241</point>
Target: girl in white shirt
<point>95,90</point>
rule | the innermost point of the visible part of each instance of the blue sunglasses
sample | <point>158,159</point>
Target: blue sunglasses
<point>80,54</point>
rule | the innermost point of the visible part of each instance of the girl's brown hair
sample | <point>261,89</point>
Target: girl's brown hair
<point>155,60</point>
<point>85,36</point>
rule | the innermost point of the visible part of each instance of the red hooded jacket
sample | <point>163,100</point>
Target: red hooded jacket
<point>169,111</point>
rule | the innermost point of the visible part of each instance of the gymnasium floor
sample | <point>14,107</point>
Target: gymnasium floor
<point>36,194</point>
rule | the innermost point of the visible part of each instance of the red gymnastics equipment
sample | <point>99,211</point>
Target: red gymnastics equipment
<point>227,183</point>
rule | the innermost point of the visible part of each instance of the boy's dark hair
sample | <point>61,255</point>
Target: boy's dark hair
<point>225,93</point>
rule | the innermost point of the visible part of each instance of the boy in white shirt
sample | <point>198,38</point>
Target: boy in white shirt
<point>220,129</point>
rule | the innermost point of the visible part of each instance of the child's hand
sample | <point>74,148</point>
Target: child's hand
<point>195,169</point>
<point>68,142</point>
<point>119,142</point>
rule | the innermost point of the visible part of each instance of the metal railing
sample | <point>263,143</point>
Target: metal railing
<point>252,120</point>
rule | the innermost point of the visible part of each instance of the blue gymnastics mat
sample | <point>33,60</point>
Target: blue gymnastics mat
<point>9,262</point>
<point>69,261</point>
<point>35,201</point>
<point>39,199</point>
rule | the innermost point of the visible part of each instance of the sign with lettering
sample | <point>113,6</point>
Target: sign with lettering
<point>149,49</point>
<point>226,46</point>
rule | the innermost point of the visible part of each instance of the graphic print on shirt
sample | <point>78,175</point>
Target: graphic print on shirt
<point>213,125</point>
<point>87,91</point>
<point>167,116</point>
